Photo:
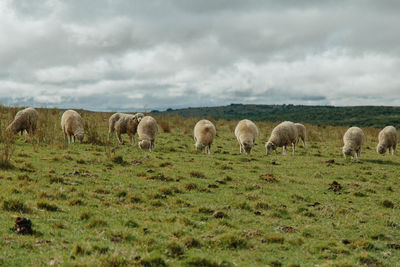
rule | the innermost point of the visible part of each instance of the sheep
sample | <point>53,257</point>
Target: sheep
<point>204,134</point>
<point>282,135</point>
<point>301,130</point>
<point>353,140</point>
<point>72,126</point>
<point>124,123</point>
<point>147,131</point>
<point>387,140</point>
<point>24,120</point>
<point>246,133</point>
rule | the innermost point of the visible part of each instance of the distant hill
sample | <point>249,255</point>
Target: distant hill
<point>372,116</point>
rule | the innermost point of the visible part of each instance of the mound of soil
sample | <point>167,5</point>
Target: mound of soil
<point>335,186</point>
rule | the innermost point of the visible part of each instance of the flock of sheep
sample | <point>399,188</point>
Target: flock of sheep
<point>283,135</point>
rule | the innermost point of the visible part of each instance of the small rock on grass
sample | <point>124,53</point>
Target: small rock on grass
<point>219,214</point>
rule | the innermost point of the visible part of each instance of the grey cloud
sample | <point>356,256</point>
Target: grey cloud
<point>175,53</point>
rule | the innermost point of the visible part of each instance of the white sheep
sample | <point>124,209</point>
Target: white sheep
<point>72,126</point>
<point>387,140</point>
<point>24,120</point>
<point>123,123</point>
<point>246,133</point>
<point>283,135</point>
<point>204,134</point>
<point>147,131</point>
<point>353,140</point>
<point>301,130</point>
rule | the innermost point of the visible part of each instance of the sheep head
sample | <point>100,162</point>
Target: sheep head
<point>80,135</point>
<point>381,149</point>
<point>247,146</point>
<point>199,146</point>
<point>269,146</point>
<point>139,117</point>
<point>145,144</point>
<point>347,151</point>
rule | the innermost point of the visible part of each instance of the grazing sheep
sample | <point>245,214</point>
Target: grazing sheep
<point>353,140</point>
<point>72,126</point>
<point>301,130</point>
<point>283,135</point>
<point>246,133</point>
<point>123,123</point>
<point>387,140</point>
<point>204,134</point>
<point>25,119</point>
<point>147,131</point>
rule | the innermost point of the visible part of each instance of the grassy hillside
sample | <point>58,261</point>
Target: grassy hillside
<point>364,116</point>
<point>106,204</point>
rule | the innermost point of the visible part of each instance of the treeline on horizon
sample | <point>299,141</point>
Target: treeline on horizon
<point>363,116</point>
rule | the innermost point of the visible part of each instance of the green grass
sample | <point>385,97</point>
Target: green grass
<point>94,204</point>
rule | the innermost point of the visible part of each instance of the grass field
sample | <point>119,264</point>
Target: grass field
<point>106,204</point>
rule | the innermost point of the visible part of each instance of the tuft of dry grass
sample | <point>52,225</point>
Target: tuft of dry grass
<point>165,126</point>
<point>7,148</point>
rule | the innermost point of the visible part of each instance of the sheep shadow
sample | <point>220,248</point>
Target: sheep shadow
<point>381,161</point>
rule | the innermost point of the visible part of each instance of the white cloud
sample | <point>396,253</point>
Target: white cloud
<point>82,72</point>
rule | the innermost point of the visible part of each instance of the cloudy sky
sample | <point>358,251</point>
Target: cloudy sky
<point>127,55</point>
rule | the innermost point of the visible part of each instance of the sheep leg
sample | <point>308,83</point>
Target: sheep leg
<point>119,137</point>
<point>240,145</point>
<point>394,149</point>
<point>26,136</point>
<point>304,142</point>
<point>209,149</point>
<point>131,139</point>
<point>73,138</point>
<point>69,139</point>
<point>355,156</point>
<point>359,154</point>
<point>284,150</point>
<point>294,148</point>
<point>151,146</point>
